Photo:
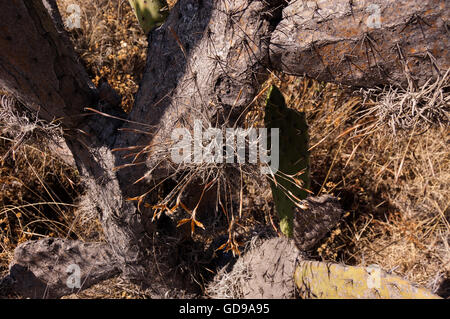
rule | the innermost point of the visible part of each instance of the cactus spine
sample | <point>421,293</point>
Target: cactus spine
<point>292,178</point>
<point>150,13</point>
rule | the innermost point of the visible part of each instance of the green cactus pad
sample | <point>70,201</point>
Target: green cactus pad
<point>294,156</point>
<point>150,13</point>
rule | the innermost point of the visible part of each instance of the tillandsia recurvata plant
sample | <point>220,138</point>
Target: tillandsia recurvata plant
<point>290,184</point>
<point>150,13</point>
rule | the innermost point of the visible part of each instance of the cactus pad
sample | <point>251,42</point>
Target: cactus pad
<point>293,157</point>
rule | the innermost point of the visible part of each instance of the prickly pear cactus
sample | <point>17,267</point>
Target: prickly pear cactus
<point>150,13</point>
<point>319,280</point>
<point>293,174</point>
<point>313,219</point>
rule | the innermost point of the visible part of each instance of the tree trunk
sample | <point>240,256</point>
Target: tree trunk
<point>207,62</point>
<point>38,267</point>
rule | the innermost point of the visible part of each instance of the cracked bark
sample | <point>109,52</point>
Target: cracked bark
<point>36,262</point>
<point>267,269</point>
<point>207,62</point>
<point>363,43</point>
<point>313,219</point>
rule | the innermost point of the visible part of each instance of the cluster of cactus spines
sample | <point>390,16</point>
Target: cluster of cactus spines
<point>150,13</point>
<point>292,178</point>
<point>320,280</point>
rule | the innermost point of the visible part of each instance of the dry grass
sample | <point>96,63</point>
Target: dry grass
<point>384,153</point>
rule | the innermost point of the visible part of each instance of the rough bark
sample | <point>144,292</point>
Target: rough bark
<point>265,271</point>
<point>174,72</point>
<point>343,41</point>
<point>206,63</point>
<point>269,269</point>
